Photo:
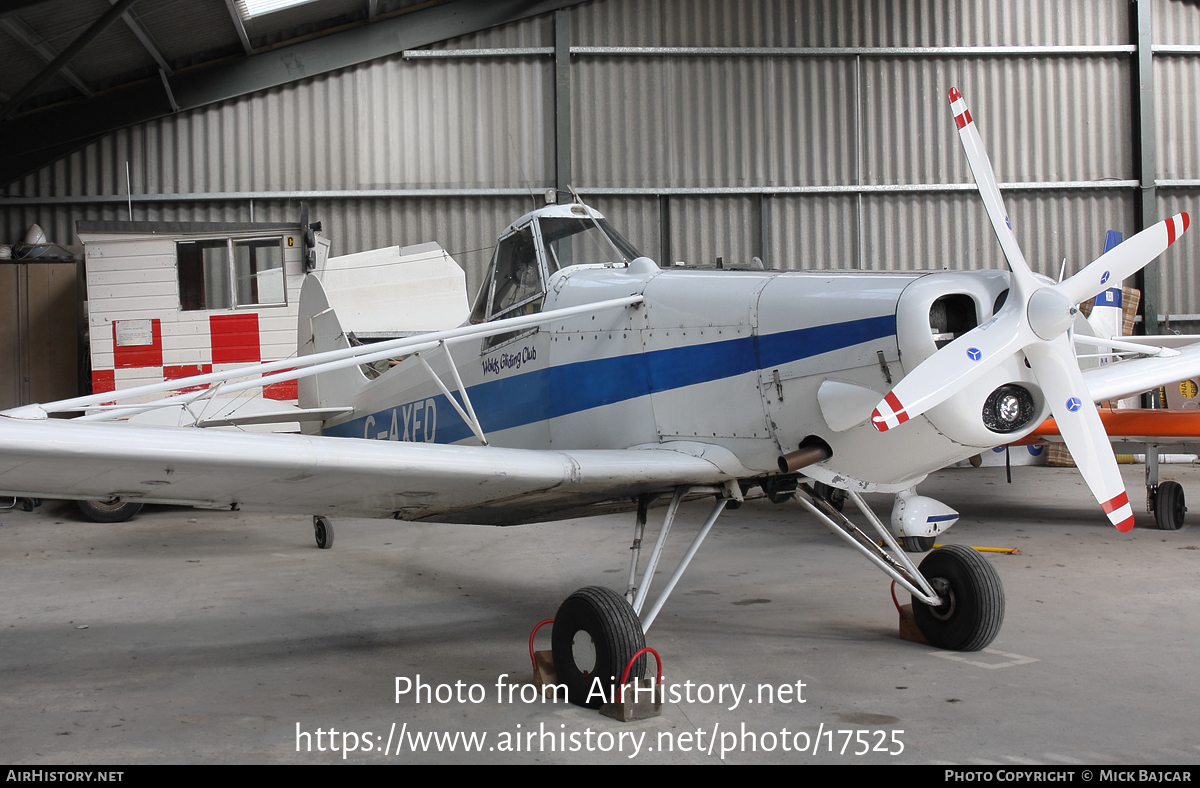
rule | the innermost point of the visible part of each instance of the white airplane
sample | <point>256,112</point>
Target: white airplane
<point>588,380</point>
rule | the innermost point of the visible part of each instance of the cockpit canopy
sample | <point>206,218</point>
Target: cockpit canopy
<point>537,245</point>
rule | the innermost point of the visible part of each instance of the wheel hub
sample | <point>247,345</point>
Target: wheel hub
<point>583,651</point>
<point>944,611</point>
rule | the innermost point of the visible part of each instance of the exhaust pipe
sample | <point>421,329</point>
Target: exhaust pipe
<point>811,451</point>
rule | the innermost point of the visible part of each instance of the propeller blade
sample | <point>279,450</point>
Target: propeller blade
<point>1124,260</point>
<point>985,178</point>
<point>953,368</point>
<point>1058,374</point>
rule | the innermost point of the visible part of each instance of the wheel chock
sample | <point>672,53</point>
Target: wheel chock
<point>640,699</point>
<point>908,626</point>
<point>544,676</point>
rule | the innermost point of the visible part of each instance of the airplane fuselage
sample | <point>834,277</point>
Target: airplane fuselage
<point>728,358</point>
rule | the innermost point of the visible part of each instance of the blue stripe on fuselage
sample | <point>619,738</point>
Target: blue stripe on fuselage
<point>561,390</point>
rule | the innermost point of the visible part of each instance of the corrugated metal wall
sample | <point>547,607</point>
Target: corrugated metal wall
<point>743,142</point>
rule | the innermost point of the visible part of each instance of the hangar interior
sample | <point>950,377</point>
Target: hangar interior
<point>809,134</point>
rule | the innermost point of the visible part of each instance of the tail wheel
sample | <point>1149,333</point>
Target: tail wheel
<point>323,531</point>
<point>972,609</point>
<point>595,634</point>
<point>114,511</point>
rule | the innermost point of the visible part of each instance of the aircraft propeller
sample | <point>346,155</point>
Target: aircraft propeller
<point>1034,320</point>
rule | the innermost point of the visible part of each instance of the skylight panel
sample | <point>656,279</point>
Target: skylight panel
<point>249,9</point>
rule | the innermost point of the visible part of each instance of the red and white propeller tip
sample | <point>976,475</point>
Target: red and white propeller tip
<point>1176,226</point>
<point>1119,512</point>
<point>962,115</point>
<point>890,413</point>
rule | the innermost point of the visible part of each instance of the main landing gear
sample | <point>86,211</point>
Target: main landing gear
<point>972,608</point>
<point>597,631</point>
<point>958,600</point>
<point>114,511</point>
<point>1169,506</point>
<point>1164,500</point>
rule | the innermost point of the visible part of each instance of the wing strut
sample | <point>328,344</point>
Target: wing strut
<point>467,415</point>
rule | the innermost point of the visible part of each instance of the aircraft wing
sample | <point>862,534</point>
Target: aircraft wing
<point>1134,376</point>
<point>321,475</point>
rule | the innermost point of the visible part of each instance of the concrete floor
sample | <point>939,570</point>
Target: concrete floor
<point>210,636</point>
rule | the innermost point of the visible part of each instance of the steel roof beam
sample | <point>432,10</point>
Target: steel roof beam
<point>10,7</point>
<point>68,54</point>
<point>29,38</point>
<point>38,138</point>
<point>139,30</point>
<point>241,28</point>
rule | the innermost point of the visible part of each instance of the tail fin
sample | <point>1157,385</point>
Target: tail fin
<point>319,330</point>
<point>1106,316</point>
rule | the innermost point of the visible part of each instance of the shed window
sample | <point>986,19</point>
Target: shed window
<point>227,273</point>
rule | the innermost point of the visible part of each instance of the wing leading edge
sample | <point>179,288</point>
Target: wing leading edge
<point>321,475</point>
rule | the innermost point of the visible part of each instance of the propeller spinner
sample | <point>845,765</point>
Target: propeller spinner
<point>1034,321</point>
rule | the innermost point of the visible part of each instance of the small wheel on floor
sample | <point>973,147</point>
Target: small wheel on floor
<point>1169,507</point>
<point>595,634</point>
<point>323,530</point>
<point>916,544</point>
<point>972,609</point>
<point>114,511</point>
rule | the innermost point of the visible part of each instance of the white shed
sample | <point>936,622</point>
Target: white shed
<point>171,299</point>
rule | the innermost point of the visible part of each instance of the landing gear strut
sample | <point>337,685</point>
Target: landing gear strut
<point>597,631</point>
<point>958,601</point>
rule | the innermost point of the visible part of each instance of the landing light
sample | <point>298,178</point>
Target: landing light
<point>1008,409</point>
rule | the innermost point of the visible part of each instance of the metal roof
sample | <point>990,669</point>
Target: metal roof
<point>74,70</point>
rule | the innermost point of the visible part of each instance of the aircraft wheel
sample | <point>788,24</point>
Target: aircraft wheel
<point>1169,506</point>
<point>323,529</point>
<point>116,511</point>
<point>973,607</point>
<point>595,633</point>
<point>917,544</point>
<point>834,496</point>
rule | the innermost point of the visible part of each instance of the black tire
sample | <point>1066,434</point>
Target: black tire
<point>323,531</point>
<point>833,496</point>
<point>973,610</point>
<point>1169,507</point>
<point>917,544</point>
<point>602,618</point>
<point>116,511</point>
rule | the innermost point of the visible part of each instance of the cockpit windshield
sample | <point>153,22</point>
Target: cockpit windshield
<point>571,241</point>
